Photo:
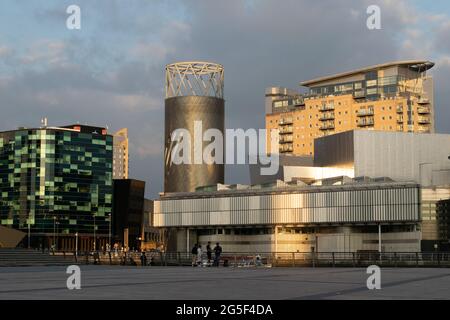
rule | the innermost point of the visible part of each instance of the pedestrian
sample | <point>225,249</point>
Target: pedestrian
<point>217,253</point>
<point>194,255</point>
<point>209,252</point>
<point>199,255</point>
<point>143,259</point>
<point>258,261</point>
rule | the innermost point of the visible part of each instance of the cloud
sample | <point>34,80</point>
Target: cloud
<point>112,71</point>
<point>47,53</point>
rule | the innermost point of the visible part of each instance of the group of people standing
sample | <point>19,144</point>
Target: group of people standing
<point>197,254</point>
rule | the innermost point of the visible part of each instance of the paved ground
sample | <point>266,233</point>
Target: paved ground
<point>116,282</point>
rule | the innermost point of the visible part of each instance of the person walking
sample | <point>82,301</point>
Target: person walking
<point>199,255</point>
<point>143,259</point>
<point>194,255</point>
<point>209,252</point>
<point>217,253</point>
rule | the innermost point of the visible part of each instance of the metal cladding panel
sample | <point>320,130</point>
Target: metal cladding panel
<point>180,113</point>
<point>422,158</point>
<point>336,150</point>
<point>381,204</point>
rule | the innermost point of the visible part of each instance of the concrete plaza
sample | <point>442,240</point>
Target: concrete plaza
<point>117,282</point>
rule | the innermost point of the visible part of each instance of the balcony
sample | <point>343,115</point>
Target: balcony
<point>327,116</point>
<point>326,107</point>
<point>423,129</point>
<point>299,102</point>
<point>423,110</point>
<point>285,121</point>
<point>400,128</point>
<point>286,148</point>
<point>399,119</point>
<point>423,120</point>
<point>286,139</point>
<point>327,126</point>
<point>423,101</point>
<point>286,130</point>
<point>365,122</point>
<point>399,109</point>
<point>359,94</point>
<point>365,112</point>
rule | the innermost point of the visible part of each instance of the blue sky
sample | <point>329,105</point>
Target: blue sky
<point>111,72</point>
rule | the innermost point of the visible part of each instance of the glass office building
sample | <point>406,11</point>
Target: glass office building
<point>56,185</point>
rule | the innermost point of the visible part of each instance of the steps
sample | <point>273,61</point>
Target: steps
<point>30,257</point>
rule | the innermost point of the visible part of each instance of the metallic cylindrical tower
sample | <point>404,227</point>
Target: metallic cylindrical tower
<point>194,93</point>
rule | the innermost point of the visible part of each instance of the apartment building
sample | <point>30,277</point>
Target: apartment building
<point>395,96</point>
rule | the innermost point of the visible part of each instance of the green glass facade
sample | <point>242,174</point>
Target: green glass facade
<point>55,180</point>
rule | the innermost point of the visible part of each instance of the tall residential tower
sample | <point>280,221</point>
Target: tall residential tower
<point>120,154</point>
<point>395,96</point>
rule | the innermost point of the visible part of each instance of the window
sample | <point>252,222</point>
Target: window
<point>371,83</point>
<point>371,91</point>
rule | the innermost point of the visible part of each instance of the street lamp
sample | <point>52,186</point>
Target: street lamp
<point>110,218</point>
<point>29,230</point>
<point>76,244</point>
<point>57,234</point>
<point>95,239</point>
<point>54,232</point>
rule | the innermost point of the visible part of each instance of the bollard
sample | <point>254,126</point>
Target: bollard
<point>293,259</point>
<point>333,259</point>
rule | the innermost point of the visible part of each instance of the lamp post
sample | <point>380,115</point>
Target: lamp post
<point>57,235</point>
<point>110,218</point>
<point>379,237</point>
<point>29,231</point>
<point>76,244</point>
<point>54,232</point>
<point>95,239</point>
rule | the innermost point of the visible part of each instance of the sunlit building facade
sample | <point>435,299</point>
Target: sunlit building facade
<point>120,154</point>
<point>395,96</point>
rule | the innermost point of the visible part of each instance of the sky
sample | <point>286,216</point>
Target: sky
<point>111,71</point>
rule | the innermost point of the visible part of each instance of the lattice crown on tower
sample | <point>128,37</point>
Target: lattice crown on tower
<point>194,78</point>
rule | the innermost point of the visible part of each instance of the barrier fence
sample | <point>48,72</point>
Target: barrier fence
<point>274,259</point>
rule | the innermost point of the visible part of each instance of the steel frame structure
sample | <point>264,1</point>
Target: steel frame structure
<point>194,78</point>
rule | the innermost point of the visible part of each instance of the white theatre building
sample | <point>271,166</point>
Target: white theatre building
<point>362,191</point>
